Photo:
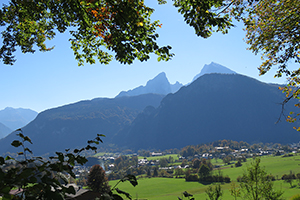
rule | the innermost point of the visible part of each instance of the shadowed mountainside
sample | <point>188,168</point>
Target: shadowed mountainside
<point>4,130</point>
<point>70,126</point>
<point>213,107</point>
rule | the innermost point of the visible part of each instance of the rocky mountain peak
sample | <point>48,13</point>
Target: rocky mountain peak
<point>158,85</point>
<point>214,68</point>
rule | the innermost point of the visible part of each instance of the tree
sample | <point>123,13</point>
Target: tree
<point>170,159</point>
<point>97,180</point>
<point>196,163</point>
<point>155,172</point>
<point>289,178</point>
<point>214,193</point>
<point>178,172</point>
<point>255,183</point>
<point>238,163</point>
<point>273,29</point>
<point>235,191</point>
<point>203,172</point>
<point>227,159</point>
<point>163,162</point>
<point>148,172</point>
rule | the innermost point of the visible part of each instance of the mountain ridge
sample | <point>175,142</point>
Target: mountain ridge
<point>15,118</point>
<point>158,85</point>
<point>70,126</point>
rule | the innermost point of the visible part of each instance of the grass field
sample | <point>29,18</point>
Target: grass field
<point>171,188</point>
<point>175,157</point>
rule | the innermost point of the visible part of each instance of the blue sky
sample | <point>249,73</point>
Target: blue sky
<point>42,81</point>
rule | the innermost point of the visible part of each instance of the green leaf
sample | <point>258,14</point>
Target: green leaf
<point>125,193</point>
<point>26,138</point>
<point>131,178</point>
<point>16,143</point>
<point>8,158</point>
<point>27,149</point>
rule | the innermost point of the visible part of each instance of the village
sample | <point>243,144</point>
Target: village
<point>166,163</point>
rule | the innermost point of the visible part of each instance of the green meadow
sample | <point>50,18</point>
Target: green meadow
<point>171,188</point>
<point>174,156</point>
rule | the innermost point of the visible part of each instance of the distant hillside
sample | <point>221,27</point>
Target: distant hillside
<point>213,68</point>
<point>15,118</point>
<point>157,85</point>
<point>70,126</point>
<point>213,107</point>
<point>4,130</point>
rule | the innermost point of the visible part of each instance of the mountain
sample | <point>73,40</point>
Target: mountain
<point>157,85</point>
<point>15,118</point>
<point>214,68</point>
<point>71,126</point>
<point>213,107</point>
<point>4,130</point>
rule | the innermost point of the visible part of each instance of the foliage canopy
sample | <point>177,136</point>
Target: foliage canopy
<point>99,28</point>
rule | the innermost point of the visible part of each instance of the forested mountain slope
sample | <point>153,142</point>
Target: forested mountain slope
<point>70,126</point>
<point>213,107</point>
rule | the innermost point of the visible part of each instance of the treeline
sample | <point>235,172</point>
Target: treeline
<point>228,146</point>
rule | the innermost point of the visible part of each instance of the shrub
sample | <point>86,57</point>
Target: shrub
<point>227,179</point>
<point>288,176</point>
<point>192,178</point>
<point>270,177</point>
<point>238,164</point>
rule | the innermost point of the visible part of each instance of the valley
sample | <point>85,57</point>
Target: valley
<point>171,188</point>
<point>178,125</point>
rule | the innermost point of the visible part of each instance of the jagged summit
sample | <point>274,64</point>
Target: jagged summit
<point>158,85</point>
<point>214,68</point>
